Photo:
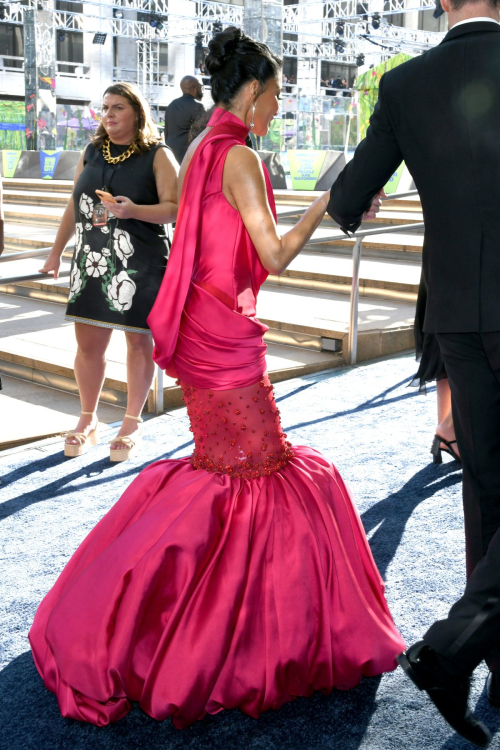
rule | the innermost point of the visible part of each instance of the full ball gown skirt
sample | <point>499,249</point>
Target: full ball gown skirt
<point>238,577</point>
<point>200,591</point>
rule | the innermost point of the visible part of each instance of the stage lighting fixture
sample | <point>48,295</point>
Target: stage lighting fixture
<point>159,26</point>
<point>153,22</point>
<point>3,13</point>
<point>376,21</point>
<point>61,36</point>
<point>360,60</point>
<point>339,46</point>
<point>339,28</point>
<point>99,38</point>
<point>216,27</point>
<point>117,13</point>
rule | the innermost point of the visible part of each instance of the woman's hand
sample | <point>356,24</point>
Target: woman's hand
<point>124,208</point>
<point>52,264</point>
<point>375,206</point>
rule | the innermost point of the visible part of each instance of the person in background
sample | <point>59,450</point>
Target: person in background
<point>431,368</point>
<point>181,113</point>
<point>121,250</point>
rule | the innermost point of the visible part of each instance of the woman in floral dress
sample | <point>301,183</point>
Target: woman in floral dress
<point>120,256</point>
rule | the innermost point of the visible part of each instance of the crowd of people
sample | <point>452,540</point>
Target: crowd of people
<point>241,576</point>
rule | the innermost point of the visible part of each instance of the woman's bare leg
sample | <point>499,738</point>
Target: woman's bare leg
<point>445,426</point>
<point>90,366</point>
<point>140,373</point>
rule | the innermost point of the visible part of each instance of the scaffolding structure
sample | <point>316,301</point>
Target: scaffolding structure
<point>311,30</point>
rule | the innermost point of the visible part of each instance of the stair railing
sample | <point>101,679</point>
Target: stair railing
<point>358,237</point>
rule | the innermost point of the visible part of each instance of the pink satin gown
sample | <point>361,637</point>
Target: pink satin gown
<point>240,576</point>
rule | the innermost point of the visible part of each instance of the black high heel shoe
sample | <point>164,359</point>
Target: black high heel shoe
<point>436,449</point>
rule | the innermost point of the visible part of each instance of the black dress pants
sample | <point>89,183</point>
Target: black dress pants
<point>471,632</point>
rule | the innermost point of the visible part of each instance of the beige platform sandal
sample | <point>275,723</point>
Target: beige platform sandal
<point>122,454</point>
<point>84,441</point>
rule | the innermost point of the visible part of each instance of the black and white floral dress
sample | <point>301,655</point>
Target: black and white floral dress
<point>117,268</point>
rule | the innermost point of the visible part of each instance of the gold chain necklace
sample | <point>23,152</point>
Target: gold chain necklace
<point>106,152</point>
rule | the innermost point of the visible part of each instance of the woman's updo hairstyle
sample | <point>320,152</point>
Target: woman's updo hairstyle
<point>235,59</point>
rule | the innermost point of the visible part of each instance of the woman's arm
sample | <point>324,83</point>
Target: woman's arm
<point>245,188</point>
<point>165,169</point>
<point>66,229</point>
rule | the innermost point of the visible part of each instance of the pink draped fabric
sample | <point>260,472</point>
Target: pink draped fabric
<point>188,323</point>
<point>240,577</point>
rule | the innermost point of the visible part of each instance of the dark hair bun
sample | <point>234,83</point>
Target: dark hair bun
<point>222,46</point>
<point>235,59</point>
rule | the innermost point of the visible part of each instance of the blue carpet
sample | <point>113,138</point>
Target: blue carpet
<point>378,433</point>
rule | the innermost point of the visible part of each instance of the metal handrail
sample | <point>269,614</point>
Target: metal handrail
<point>35,253</point>
<point>401,195</point>
<point>354,301</point>
<point>4,280</point>
<point>352,342</point>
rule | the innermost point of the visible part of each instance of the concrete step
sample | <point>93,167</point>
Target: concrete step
<point>320,320</point>
<point>36,198</point>
<point>402,242</point>
<point>304,198</point>
<point>387,279</point>
<point>387,217</point>
<point>384,278</point>
<point>20,237</point>
<point>39,346</point>
<point>29,185</point>
<point>33,412</point>
<point>18,213</point>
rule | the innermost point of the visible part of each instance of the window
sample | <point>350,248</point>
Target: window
<point>11,44</point>
<point>163,58</point>
<point>69,49</point>
<point>69,6</point>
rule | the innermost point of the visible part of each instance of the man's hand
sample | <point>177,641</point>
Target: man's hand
<point>375,206</point>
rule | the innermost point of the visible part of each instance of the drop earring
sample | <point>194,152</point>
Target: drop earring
<point>253,117</point>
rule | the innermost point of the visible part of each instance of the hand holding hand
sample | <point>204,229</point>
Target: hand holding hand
<point>51,265</point>
<point>375,206</point>
<point>124,208</point>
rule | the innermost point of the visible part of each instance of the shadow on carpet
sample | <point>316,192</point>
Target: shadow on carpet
<point>29,717</point>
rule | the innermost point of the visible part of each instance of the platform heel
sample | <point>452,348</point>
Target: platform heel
<point>122,454</point>
<point>71,450</point>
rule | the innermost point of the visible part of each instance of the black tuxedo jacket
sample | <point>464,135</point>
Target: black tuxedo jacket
<point>180,114</point>
<point>440,112</point>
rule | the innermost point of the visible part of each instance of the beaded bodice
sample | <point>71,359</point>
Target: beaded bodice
<point>237,432</point>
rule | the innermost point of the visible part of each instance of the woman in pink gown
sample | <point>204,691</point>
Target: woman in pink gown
<point>240,576</point>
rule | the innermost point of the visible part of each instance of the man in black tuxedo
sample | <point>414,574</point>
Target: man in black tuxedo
<point>440,113</point>
<point>181,113</point>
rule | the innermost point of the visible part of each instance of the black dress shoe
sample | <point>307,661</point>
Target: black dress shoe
<point>493,689</point>
<point>448,692</point>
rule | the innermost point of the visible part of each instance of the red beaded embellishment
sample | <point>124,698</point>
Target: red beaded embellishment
<point>236,448</point>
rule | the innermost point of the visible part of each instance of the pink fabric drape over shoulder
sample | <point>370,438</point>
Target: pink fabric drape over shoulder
<point>192,315</point>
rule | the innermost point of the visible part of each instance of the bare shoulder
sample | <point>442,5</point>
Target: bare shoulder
<point>243,157</point>
<point>164,158</point>
<point>242,162</point>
